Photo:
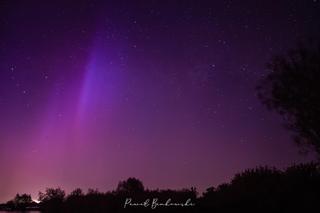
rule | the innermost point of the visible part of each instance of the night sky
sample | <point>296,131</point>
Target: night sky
<point>94,92</point>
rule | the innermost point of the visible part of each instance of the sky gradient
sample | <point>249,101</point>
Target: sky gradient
<point>95,92</point>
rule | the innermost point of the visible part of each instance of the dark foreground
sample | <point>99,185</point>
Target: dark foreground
<point>297,189</point>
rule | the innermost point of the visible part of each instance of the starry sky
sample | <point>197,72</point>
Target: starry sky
<point>94,92</point>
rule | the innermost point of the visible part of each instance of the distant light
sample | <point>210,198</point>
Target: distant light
<point>36,201</point>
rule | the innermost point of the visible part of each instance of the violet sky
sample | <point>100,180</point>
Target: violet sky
<point>94,92</point>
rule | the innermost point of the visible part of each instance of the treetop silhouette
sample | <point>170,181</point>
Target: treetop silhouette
<point>292,88</point>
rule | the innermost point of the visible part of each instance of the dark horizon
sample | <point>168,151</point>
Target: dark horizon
<point>261,189</point>
<point>164,91</point>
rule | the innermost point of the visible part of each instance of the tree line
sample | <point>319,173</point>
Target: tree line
<point>262,189</point>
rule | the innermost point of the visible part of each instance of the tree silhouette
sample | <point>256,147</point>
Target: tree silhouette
<point>52,194</point>
<point>265,189</point>
<point>131,185</point>
<point>22,201</point>
<point>52,199</point>
<point>76,193</point>
<point>262,189</point>
<point>292,88</point>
